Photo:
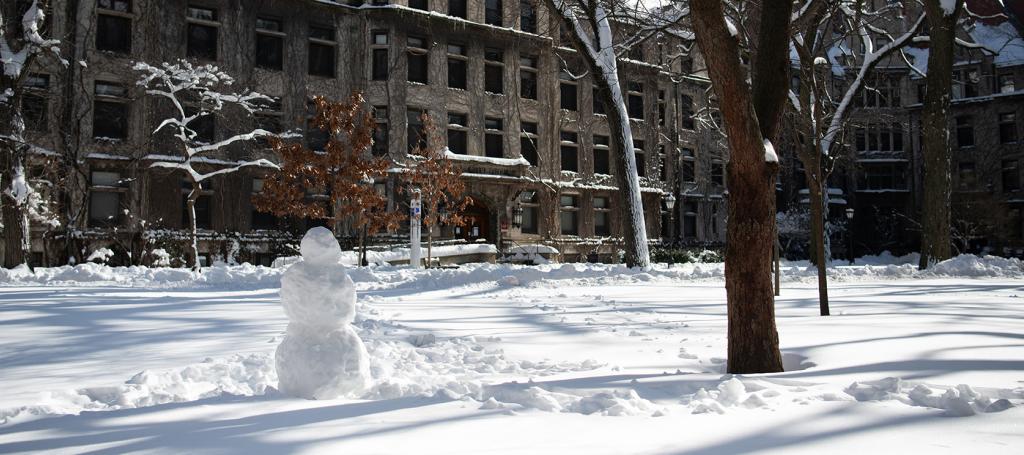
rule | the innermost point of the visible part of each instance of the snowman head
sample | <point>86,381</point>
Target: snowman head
<point>320,247</point>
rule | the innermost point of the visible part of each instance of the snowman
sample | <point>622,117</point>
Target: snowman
<point>321,356</point>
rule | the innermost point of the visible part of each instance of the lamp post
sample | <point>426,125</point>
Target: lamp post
<point>849,232</point>
<point>414,229</point>
<point>670,203</point>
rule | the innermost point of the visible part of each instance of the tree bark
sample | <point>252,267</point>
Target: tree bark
<point>817,202</point>
<point>935,147</point>
<point>753,339</point>
<point>190,206</point>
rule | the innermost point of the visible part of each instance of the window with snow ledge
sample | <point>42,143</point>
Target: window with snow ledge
<point>598,105</point>
<point>602,160</point>
<point>638,152</point>
<point>323,47</point>
<point>688,166</point>
<point>420,4</point>
<point>380,67</point>
<point>203,27</point>
<point>380,132</point>
<point>106,190</point>
<point>494,70</point>
<point>494,137</point>
<point>528,16</point>
<point>493,12</point>
<point>457,63</point>
<point>569,214</point>
<point>965,131</point>
<point>965,83</point>
<point>457,8</point>
<point>458,126</point>
<point>602,216</point>
<point>268,117</point>
<point>1008,127</point>
<point>686,111</point>
<point>1010,176</point>
<point>415,135</point>
<point>567,88</point>
<point>261,220</point>
<point>883,176</point>
<point>269,43</point>
<point>689,219</point>
<point>531,213</point>
<point>35,102</point>
<point>110,111</point>
<point>114,26</point>
<point>570,151</point>
<point>1005,82</point>
<point>528,142</point>
<point>635,100</point>
<point>879,138</point>
<point>717,173</point>
<point>418,59</point>
<point>528,76</point>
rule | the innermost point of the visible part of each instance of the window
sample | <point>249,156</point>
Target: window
<point>316,138</point>
<point>598,104</point>
<point>35,102</point>
<point>1008,128</point>
<point>380,133</point>
<point>418,59</point>
<point>379,54</point>
<point>686,111</point>
<point>569,214</point>
<point>261,220</point>
<point>527,16</point>
<point>567,92</point>
<point>268,117</point>
<point>528,142</point>
<point>688,168</point>
<point>965,83</point>
<point>114,26</point>
<point>636,100</point>
<point>964,131</point>
<point>662,166</point>
<point>689,220</point>
<point>457,66</point>
<point>717,173</point>
<point>1005,82</point>
<point>202,33</point>
<point>1011,176</point>
<point>570,151</point>
<point>638,152</point>
<point>457,8</point>
<point>494,137</point>
<point>493,12</point>
<point>602,216</point>
<point>528,76</point>
<point>414,131</point>
<point>322,50</point>
<point>105,193</point>
<point>880,91</point>
<point>203,205</point>
<point>269,43</point>
<point>883,176</point>
<point>602,162</point>
<point>494,69</point>
<point>966,176</point>
<point>874,138</point>
<point>420,4</point>
<point>531,213</point>
<point>458,125</point>
<point>110,111</point>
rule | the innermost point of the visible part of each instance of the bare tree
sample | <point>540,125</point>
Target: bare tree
<point>753,339</point>
<point>197,93</point>
<point>21,44</point>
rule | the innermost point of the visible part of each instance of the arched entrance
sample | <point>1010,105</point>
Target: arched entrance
<point>478,223</point>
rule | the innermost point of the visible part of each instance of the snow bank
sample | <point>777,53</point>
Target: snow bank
<point>244,276</point>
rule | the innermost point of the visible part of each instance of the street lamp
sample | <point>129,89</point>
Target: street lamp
<point>849,232</point>
<point>670,201</point>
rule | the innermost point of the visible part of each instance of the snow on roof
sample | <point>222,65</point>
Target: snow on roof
<point>1002,39</point>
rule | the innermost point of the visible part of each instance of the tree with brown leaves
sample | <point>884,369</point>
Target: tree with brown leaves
<point>439,180</point>
<point>345,171</point>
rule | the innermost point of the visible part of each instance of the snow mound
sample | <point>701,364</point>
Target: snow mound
<point>959,401</point>
<point>730,393</point>
<point>609,403</point>
<point>969,265</point>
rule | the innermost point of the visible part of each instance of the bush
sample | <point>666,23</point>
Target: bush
<point>677,255</point>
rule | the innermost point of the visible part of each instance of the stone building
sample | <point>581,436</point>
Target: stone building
<point>492,74</point>
<point>879,172</point>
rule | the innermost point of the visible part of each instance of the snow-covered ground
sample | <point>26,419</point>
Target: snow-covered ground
<point>512,359</point>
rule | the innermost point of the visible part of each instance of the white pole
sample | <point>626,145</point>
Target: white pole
<point>414,229</point>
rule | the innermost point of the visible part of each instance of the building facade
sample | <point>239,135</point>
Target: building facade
<point>493,75</point>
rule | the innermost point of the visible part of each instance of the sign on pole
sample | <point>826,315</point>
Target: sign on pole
<point>414,229</point>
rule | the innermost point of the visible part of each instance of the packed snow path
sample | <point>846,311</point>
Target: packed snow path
<point>554,359</point>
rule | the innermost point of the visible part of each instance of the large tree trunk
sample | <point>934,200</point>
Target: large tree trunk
<point>753,339</point>
<point>935,147</point>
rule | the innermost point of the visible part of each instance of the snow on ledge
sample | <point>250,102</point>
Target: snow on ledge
<point>486,159</point>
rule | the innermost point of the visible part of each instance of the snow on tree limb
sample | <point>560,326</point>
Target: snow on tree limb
<point>14,61</point>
